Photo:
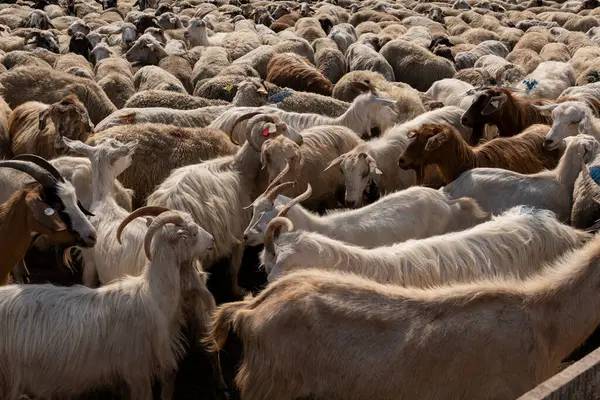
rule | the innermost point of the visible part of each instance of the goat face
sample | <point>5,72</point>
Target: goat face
<point>359,170</point>
<point>276,153</point>
<point>486,104</point>
<point>569,119</point>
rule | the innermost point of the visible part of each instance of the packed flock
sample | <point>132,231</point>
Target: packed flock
<point>413,184</point>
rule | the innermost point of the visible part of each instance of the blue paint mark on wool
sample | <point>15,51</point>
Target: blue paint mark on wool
<point>595,173</point>
<point>528,210</point>
<point>279,97</point>
<point>530,83</point>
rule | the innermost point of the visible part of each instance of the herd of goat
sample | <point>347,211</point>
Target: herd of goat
<point>297,200</point>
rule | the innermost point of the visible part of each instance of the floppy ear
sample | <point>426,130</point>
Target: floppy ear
<point>436,141</point>
<point>43,117</point>
<point>44,215</point>
<point>493,104</point>
<point>584,125</point>
<point>546,110</point>
<point>336,161</point>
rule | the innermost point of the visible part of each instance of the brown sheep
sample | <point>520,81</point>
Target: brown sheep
<point>499,106</point>
<point>161,149</point>
<point>5,111</point>
<point>296,72</point>
<point>442,145</point>
<point>30,132</point>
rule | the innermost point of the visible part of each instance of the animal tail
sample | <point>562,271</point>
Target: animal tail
<point>223,321</point>
<point>472,207</point>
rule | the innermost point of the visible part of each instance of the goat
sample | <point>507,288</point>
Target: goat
<point>569,119</point>
<point>96,320</point>
<point>500,107</point>
<point>49,207</point>
<point>496,190</point>
<point>414,213</point>
<point>442,145</point>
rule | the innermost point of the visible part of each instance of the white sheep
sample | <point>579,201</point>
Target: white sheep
<point>58,342</point>
<point>496,190</point>
<point>332,335</point>
<point>415,213</point>
<point>452,92</point>
<point>217,191</point>
<point>548,80</point>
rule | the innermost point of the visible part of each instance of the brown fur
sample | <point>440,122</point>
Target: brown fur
<point>511,118</point>
<point>161,149</point>
<point>285,21</point>
<point>524,153</point>
<point>5,111</point>
<point>296,72</point>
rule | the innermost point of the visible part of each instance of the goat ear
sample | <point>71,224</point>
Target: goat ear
<point>43,118</point>
<point>336,161</point>
<point>382,101</point>
<point>493,104</point>
<point>546,110</point>
<point>436,141</point>
<point>44,215</point>
<point>584,125</point>
<point>375,172</point>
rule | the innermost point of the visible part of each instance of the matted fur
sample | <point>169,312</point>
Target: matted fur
<point>516,243</point>
<point>524,153</point>
<point>296,72</point>
<point>335,336</point>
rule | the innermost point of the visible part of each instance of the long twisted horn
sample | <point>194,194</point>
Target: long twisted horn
<point>240,120</point>
<point>153,211</point>
<point>295,201</point>
<point>43,177</point>
<point>172,217</point>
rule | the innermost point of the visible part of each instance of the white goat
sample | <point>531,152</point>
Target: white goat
<point>414,213</point>
<point>569,119</point>
<point>514,244</point>
<point>497,190</point>
<point>57,342</point>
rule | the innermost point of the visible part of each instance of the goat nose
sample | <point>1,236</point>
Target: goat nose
<point>350,203</point>
<point>401,161</point>
<point>548,143</point>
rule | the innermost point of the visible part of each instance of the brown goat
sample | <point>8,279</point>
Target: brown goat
<point>296,72</point>
<point>443,146</point>
<point>499,106</point>
<point>29,131</point>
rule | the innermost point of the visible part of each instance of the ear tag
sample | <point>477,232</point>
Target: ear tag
<point>49,211</point>
<point>265,132</point>
<point>495,103</point>
<point>272,128</point>
<point>229,88</point>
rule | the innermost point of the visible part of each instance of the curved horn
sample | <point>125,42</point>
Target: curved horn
<point>295,201</point>
<point>38,173</point>
<point>589,185</point>
<point>273,229</point>
<point>42,162</point>
<point>274,192</point>
<point>268,118</point>
<point>172,217</point>
<point>278,178</point>
<point>239,120</point>
<point>140,212</point>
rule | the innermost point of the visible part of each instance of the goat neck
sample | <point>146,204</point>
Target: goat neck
<point>458,158</point>
<point>13,213</point>
<point>568,168</point>
<point>518,114</point>
<point>247,163</point>
<point>103,181</point>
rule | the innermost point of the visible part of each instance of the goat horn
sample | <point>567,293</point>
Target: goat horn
<point>272,195</point>
<point>278,178</point>
<point>38,173</point>
<point>589,185</point>
<point>153,211</point>
<point>172,217</point>
<point>273,229</point>
<point>295,201</point>
<point>238,121</point>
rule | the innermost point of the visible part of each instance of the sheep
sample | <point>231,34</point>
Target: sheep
<point>331,64</point>
<point>154,300</point>
<point>414,65</point>
<point>293,71</point>
<point>29,131</point>
<point>361,56</point>
<point>500,107</point>
<point>258,59</point>
<point>227,184</point>
<point>548,80</point>
<point>351,349</point>
<point>250,92</point>
<point>39,19</point>
<point>586,209</point>
<point>308,163</point>
<point>455,257</point>
<point>366,111</point>
<point>49,207</point>
<point>467,59</point>
<point>212,60</point>
<point>551,190</point>
<point>153,77</point>
<point>114,76</point>
<point>414,213</point>
<point>452,92</point>
<point>167,99</point>
<point>5,112</point>
<point>442,146</point>
<point>47,86</point>
<point>570,118</point>
<point>500,70</point>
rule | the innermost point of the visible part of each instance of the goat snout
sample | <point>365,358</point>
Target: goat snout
<point>402,162</point>
<point>465,121</point>
<point>351,203</point>
<point>549,144</point>
<point>88,240</point>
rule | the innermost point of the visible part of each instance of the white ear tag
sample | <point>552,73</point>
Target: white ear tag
<point>272,128</point>
<point>495,103</point>
<point>49,211</point>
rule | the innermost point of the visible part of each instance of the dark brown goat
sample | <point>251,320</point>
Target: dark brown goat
<point>443,146</point>
<point>499,106</point>
<point>296,72</point>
